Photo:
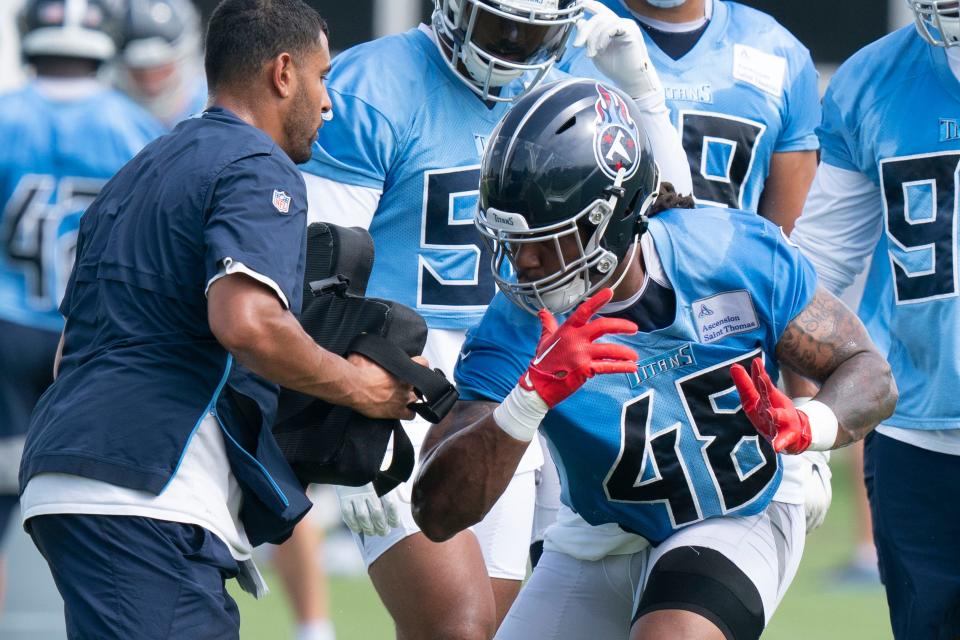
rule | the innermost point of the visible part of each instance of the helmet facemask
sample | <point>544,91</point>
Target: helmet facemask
<point>496,42</point>
<point>579,277</point>
<point>937,21</point>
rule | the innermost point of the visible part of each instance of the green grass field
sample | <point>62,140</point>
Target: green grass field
<point>812,610</point>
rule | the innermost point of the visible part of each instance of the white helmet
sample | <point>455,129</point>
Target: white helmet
<point>937,21</point>
<point>489,43</point>
<point>69,29</point>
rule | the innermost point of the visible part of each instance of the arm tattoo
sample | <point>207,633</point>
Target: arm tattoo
<point>821,337</point>
<point>828,344</point>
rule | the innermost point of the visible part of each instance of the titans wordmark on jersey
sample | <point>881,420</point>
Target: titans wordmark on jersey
<point>747,90</point>
<point>55,157</point>
<point>907,143</point>
<point>670,445</point>
<point>416,134</point>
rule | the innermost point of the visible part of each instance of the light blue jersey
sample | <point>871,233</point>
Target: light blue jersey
<point>668,446</point>
<point>55,156</point>
<point>747,90</point>
<point>405,124</point>
<point>908,143</point>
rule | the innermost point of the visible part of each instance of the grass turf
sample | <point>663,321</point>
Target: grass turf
<point>813,609</point>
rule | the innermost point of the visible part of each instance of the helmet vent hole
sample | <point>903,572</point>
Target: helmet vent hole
<point>566,125</point>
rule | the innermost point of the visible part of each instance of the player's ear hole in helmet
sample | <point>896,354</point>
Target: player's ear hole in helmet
<point>489,43</point>
<point>567,169</point>
<point>937,21</point>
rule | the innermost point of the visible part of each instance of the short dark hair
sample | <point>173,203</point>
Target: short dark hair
<point>244,34</point>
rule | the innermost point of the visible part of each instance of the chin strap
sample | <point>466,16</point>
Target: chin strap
<point>630,259</point>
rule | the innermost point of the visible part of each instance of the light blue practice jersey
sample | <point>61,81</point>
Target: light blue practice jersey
<point>54,158</point>
<point>670,445</point>
<point>405,124</point>
<point>747,90</point>
<point>892,113</point>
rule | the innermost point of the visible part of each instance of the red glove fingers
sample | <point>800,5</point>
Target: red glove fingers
<point>770,411</point>
<point>566,356</point>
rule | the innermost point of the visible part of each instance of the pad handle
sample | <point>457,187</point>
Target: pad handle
<point>438,393</point>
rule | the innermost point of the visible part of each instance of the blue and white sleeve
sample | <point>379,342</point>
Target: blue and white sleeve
<point>357,147</point>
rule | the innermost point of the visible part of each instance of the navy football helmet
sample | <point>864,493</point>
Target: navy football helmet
<point>567,163</point>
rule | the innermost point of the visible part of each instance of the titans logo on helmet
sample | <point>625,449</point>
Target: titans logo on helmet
<point>615,143</point>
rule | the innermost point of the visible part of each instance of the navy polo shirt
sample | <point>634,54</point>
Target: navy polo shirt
<point>140,366</point>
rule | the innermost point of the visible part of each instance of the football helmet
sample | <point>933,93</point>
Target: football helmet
<point>69,29</point>
<point>937,21</point>
<point>568,165</point>
<point>489,43</point>
<point>160,61</point>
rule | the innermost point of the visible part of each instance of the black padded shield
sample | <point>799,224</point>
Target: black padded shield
<point>335,445</point>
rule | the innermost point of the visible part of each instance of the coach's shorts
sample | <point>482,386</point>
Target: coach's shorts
<point>504,535</point>
<point>134,577</point>
<point>753,558</point>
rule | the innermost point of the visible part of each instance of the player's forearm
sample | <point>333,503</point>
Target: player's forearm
<point>279,350</point>
<point>862,393</point>
<point>463,476</point>
<point>667,147</point>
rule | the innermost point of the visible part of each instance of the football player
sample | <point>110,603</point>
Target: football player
<point>64,134</point>
<point>742,91</point>
<point>406,164</point>
<point>674,459</point>
<point>886,189</point>
<point>161,61</point>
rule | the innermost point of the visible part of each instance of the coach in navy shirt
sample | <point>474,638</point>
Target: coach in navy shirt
<point>150,470</point>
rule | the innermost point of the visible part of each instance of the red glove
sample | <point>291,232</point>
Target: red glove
<point>567,356</point>
<point>770,411</point>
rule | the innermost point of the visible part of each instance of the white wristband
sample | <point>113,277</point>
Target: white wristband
<point>520,413</point>
<point>823,425</point>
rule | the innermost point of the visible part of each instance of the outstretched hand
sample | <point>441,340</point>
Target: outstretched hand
<point>567,355</point>
<point>771,412</point>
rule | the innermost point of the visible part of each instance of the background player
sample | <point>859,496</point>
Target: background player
<point>742,92</point>
<point>664,451</point>
<point>161,60</point>
<point>64,134</point>
<point>407,166</point>
<point>886,187</point>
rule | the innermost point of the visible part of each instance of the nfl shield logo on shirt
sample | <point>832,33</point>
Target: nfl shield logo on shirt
<point>281,201</point>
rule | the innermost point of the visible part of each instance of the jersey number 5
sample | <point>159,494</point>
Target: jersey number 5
<point>651,468</point>
<point>454,264</point>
